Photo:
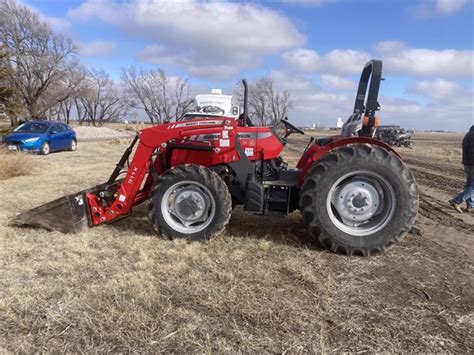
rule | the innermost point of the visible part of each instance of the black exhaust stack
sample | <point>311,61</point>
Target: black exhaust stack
<point>246,97</point>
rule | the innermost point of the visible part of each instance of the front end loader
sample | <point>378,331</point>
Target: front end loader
<point>355,194</point>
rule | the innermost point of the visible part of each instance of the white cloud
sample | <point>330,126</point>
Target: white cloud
<point>449,6</point>
<point>307,3</point>
<point>337,82</point>
<point>437,89</point>
<point>311,103</point>
<point>57,23</point>
<point>429,9</point>
<point>338,61</point>
<point>422,61</point>
<point>97,48</point>
<point>396,56</point>
<point>228,36</point>
<point>305,60</point>
<point>448,105</point>
<point>346,61</point>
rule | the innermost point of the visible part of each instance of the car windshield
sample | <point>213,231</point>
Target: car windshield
<point>32,127</point>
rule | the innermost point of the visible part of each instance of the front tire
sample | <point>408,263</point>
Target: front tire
<point>190,202</point>
<point>45,148</point>
<point>359,200</point>
<point>73,146</point>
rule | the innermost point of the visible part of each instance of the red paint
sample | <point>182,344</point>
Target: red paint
<point>221,134</point>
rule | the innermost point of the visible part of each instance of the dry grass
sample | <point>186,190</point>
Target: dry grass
<point>262,286</point>
<point>14,164</point>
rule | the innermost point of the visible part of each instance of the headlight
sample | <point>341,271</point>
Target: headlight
<point>30,140</point>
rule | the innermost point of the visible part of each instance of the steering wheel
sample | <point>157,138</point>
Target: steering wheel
<point>291,127</point>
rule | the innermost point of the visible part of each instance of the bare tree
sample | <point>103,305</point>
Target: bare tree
<point>268,105</point>
<point>100,100</point>
<point>38,57</point>
<point>182,98</point>
<point>69,88</point>
<point>154,92</point>
<point>10,103</point>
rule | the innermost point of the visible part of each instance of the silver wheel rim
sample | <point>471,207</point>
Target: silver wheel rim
<point>361,203</point>
<point>188,207</point>
<point>73,145</point>
<point>45,148</point>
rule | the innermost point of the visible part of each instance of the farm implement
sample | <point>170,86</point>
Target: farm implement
<point>355,194</point>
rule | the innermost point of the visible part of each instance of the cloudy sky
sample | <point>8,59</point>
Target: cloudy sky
<point>315,49</point>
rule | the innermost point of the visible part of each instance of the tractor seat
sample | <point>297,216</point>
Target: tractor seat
<point>323,141</point>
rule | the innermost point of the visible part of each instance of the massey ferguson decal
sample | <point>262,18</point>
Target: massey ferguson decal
<point>254,135</point>
<point>198,123</point>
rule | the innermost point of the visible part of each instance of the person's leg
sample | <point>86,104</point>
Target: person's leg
<point>463,196</point>
<point>470,190</point>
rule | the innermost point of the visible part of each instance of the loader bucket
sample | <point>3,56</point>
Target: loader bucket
<point>68,214</point>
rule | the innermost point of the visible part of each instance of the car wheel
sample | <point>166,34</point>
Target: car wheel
<point>73,145</point>
<point>45,149</point>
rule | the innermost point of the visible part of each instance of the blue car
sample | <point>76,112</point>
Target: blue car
<point>42,137</point>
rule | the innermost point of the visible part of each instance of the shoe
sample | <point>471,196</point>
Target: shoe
<point>455,205</point>
<point>469,209</point>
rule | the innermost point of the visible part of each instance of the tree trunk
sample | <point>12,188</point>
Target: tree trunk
<point>13,120</point>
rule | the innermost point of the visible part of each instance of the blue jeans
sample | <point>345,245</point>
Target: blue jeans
<point>468,193</point>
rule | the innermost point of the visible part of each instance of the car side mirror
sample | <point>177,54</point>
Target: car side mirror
<point>53,132</point>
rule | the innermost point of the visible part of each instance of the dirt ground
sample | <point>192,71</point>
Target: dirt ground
<point>262,286</point>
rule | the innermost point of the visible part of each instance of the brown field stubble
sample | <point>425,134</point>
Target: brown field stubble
<point>14,164</point>
<point>261,286</point>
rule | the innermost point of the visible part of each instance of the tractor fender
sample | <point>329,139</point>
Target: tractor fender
<point>316,152</point>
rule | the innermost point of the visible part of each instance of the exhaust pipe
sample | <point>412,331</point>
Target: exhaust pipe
<point>246,92</point>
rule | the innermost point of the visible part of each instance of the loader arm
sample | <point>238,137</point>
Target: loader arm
<point>124,197</point>
<point>121,196</point>
<point>153,155</point>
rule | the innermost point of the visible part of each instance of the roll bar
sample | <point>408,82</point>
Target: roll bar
<point>371,77</point>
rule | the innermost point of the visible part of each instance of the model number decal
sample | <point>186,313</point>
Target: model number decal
<point>133,175</point>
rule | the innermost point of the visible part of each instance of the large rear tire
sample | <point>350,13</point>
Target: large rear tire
<point>190,202</point>
<point>359,200</point>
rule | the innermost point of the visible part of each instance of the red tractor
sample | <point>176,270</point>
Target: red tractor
<point>356,195</point>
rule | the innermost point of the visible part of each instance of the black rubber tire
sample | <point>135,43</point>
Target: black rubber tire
<point>43,150</point>
<point>200,174</point>
<point>340,161</point>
